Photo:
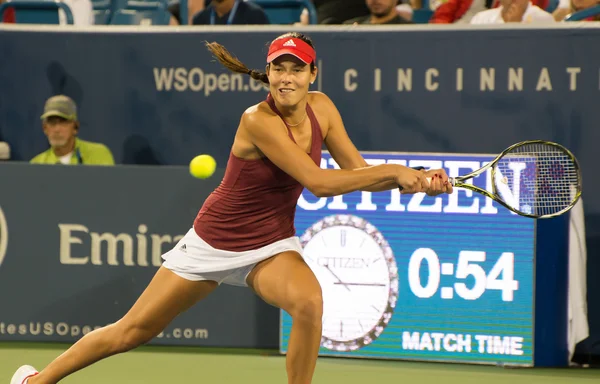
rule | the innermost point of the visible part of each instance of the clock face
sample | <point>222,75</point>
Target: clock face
<point>358,275</point>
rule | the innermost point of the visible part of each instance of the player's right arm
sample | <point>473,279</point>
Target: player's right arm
<point>269,135</point>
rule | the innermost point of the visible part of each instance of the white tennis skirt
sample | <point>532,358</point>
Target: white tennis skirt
<point>194,259</point>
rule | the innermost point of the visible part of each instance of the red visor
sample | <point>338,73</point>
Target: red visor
<point>291,46</point>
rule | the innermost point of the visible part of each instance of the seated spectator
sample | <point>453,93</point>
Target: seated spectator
<point>459,11</point>
<point>513,11</point>
<point>82,10</point>
<point>304,18</point>
<point>4,151</point>
<point>381,12</point>
<point>61,126</point>
<point>194,6</point>
<point>226,12</point>
<point>338,11</point>
<point>405,9</point>
<point>9,15</point>
<point>575,6</point>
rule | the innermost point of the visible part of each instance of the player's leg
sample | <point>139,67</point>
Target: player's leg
<point>166,296</point>
<point>287,282</point>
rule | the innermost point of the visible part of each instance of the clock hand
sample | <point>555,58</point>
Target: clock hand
<point>338,279</point>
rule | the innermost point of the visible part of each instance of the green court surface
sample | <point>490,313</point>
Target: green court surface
<point>153,365</point>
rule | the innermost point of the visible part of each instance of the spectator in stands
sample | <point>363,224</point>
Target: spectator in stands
<point>9,15</point>
<point>338,11</point>
<point>565,8</point>
<point>405,8</point>
<point>194,6</point>
<point>513,11</point>
<point>304,18</point>
<point>231,12</point>
<point>381,12</point>
<point>83,12</point>
<point>4,151</point>
<point>61,126</point>
<point>459,11</point>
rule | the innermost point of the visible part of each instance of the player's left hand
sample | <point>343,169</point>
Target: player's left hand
<point>439,182</point>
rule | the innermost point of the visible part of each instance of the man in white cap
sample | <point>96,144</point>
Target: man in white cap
<point>61,126</point>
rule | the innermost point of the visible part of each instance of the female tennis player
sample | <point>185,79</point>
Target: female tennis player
<point>244,233</point>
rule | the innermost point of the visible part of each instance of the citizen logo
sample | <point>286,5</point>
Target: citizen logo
<point>350,262</point>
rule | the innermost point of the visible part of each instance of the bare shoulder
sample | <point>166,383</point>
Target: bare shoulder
<point>254,124</point>
<point>325,110</point>
<point>319,98</point>
<point>257,115</point>
<point>321,103</point>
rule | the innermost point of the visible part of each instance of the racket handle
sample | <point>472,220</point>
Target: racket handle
<point>451,180</point>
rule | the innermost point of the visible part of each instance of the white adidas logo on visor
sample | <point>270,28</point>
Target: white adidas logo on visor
<point>289,43</point>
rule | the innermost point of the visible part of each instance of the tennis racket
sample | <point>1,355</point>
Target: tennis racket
<point>536,178</point>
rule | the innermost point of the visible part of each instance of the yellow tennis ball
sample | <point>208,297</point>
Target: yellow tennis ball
<point>203,166</point>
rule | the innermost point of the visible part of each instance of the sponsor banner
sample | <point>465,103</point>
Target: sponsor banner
<point>78,246</point>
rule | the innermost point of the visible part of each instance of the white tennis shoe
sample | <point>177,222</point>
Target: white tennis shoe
<point>23,374</point>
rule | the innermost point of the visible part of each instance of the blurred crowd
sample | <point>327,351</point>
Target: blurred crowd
<point>248,12</point>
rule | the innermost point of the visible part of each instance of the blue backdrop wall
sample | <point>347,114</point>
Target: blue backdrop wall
<point>157,97</point>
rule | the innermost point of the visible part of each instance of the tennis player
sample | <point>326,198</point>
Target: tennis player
<point>244,233</point>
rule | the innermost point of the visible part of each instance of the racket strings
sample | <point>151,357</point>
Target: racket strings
<point>537,178</point>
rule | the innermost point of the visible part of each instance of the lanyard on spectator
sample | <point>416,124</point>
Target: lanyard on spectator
<point>78,156</point>
<point>231,14</point>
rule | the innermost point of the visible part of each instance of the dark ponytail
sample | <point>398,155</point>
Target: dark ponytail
<point>232,63</point>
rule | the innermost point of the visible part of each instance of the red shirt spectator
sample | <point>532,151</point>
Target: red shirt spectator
<point>450,11</point>
<point>9,15</point>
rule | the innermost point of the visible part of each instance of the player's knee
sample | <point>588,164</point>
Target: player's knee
<point>131,336</point>
<point>308,308</point>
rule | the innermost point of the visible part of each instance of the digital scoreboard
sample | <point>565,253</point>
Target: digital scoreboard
<point>445,278</point>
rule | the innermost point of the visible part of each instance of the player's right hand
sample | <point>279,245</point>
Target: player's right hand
<point>411,180</point>
<point>438,182</point>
